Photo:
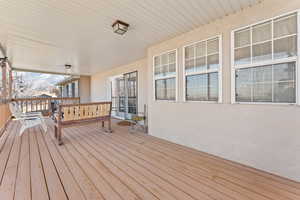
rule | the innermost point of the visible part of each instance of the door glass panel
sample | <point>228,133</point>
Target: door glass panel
<point>124,95</point>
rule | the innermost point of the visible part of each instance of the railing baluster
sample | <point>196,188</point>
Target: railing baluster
<point>42,104</point>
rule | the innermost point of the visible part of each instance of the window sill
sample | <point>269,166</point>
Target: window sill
<point>166,101</point>
<point>266,104</point>
<point>204,102</point>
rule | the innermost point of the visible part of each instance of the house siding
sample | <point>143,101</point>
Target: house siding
<point>265,137</point>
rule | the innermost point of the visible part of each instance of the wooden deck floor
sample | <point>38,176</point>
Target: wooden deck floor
<point>94,166</point>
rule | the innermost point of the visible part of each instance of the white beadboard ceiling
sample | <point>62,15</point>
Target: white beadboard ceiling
<point>46,34</point>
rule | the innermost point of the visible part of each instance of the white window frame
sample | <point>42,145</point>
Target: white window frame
<point>219,71</point>
<point>166,77</point>
<point>295,59</point>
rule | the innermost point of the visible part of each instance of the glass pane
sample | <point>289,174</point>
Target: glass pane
<point>284,72</point>
<point>261,32</point>
<point>158,71</point>
<point>262,84</point>
<point>170,89</point>
<point>243,84</point>
<point>157,61</point>
<point>285,26</point>
<point>213,46</point>
<point>197,87</point>
<point>200,64</point>
<point>189,52</point>
<point>165,70</point>
<point>172,57</point>
<point>164,59</point>
<point>262,92</point>
<point>213,87</point>
<point>285,47</point>
<point>284,92</point>
<point>284,83</point>
<point>262,51</point>
<point>242,56</point>
<point>262,74</point>
<point>189,65</point>
<point>213,61</point>
<point>160,86</point>
<point>242,38</point>
<point>201,49</point>
<point>165,89</point>
<point>172,69</point>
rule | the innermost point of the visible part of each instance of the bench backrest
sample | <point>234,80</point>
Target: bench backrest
<point>76,112</point>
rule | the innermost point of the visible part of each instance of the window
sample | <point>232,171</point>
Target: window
<point>202,70</point>
<point>271,83</point>
<point>165,76</point>
<point>265,61</point>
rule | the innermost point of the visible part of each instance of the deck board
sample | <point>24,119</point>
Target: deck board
<point>124,166</point>
<point>23,188</point>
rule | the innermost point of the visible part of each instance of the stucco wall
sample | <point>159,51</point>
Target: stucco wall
<point>100,83</point>
<point>266,137</point>
<point>85,89</point>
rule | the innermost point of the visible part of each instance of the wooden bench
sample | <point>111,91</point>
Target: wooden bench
<point>74,114</point>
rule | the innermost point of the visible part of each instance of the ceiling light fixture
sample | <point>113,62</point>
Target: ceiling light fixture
<point>120,27</point>
<point>68,68</point>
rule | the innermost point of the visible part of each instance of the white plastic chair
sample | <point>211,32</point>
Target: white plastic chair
<point>28,120</point>
<point>17,113</point>
<point>31,122</point>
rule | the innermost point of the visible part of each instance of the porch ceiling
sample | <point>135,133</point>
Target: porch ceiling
<point>44,35</point>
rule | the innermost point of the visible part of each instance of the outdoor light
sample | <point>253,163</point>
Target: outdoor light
<point>68,68</point>
<point>120,27</point>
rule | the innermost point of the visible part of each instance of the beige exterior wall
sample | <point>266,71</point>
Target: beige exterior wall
<point>85,89</point>
<point>101,85</point>
<point>262,136</point>
<point>266,137</point>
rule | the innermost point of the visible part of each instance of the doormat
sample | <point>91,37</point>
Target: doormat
<point>124,123</point>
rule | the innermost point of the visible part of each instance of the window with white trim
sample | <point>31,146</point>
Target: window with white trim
<point>202,70</point>
<point>165,76</point>
<point>265,61</point>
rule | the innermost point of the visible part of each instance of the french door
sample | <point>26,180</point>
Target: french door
<point>124,95</point>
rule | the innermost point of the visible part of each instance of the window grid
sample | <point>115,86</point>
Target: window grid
<point>206,71</point>
<point>286,59</point>
<point>163,73</point>
<point>267,78</point>
<point>252,44</point>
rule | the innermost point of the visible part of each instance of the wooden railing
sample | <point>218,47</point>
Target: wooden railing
<point>43,104</point>
<point>5,116</point>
